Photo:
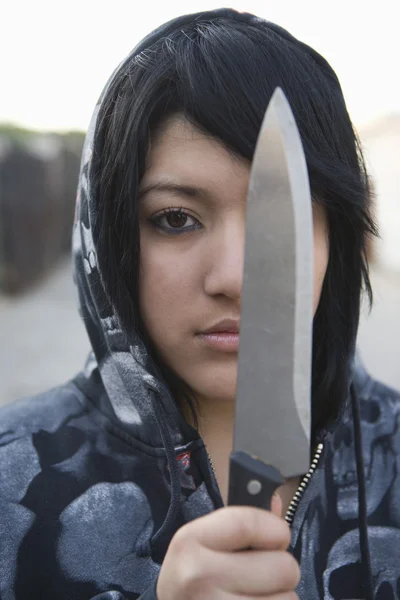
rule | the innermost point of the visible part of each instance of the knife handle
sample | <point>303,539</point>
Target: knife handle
<point>251,481</point>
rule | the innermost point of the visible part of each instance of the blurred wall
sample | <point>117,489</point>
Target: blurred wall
<point>38,180</point>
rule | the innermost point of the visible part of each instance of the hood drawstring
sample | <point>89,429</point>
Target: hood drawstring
<point>164,532</point>
<point>362,507</point>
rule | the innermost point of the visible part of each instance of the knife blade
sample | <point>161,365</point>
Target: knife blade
<point>273,399</point>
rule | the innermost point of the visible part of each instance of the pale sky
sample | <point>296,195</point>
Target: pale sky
<point>55,57</point>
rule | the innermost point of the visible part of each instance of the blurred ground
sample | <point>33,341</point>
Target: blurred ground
<point>44,343</point>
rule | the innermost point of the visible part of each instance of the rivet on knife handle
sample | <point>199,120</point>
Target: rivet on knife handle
<point>251,481</point>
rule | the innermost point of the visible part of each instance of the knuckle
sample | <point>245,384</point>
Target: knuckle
<point>291,596</point>
<point>257,521</point>
<point>248,524</point>
<point>291,570</point>
<point>191,574</point>
<point>194,579</point>
<point>181,540</point>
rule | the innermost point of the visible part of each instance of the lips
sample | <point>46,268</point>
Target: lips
<point>224,326</point>
<point>223,336</point>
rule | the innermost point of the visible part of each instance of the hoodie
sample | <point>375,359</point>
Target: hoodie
<point>98,474</point>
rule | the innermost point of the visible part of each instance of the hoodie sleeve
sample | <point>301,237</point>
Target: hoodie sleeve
<point>149,594</point>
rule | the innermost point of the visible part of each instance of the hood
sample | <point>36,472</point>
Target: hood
<point>136,392</point>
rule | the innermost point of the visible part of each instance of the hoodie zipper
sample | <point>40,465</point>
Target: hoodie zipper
<point>212,465</point>
<point>291,511</point>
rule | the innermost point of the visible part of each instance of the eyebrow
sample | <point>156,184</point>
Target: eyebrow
<point>174,188</point>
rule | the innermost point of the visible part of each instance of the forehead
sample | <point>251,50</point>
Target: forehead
<point>182,152</point>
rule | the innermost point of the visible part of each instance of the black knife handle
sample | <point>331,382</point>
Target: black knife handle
<point>251,482</point>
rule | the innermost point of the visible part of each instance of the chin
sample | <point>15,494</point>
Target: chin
<point>218,383</point>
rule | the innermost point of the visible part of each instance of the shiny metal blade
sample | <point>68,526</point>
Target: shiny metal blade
<point>273,400</point>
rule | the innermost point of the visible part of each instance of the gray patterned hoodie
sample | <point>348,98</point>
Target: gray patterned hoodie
<point>98,474</point>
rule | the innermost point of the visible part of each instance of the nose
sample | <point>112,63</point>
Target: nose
<point>226,259</point>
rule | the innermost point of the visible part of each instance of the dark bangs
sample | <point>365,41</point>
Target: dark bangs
<point>220,69</point>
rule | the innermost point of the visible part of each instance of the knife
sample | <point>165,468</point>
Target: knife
<point>273,400</point>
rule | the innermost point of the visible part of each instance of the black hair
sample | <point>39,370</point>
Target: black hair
<point>220,69</point>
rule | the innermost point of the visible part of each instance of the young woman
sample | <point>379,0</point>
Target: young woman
<point>114,485</point>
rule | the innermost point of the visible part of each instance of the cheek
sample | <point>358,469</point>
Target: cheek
<point>321,256</point>
<point>167,290</point>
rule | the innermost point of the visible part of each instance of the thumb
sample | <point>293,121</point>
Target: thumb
<point>276,505</point>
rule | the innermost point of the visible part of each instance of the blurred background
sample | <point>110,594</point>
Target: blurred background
<point>55,59</point>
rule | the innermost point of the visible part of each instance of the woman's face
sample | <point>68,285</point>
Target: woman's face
<point>192,224</point>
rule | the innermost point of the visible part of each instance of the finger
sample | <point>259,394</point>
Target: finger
<point>236,527</point>
<point>255,573</point>
<point>283,596</point>
<point>276,505</point>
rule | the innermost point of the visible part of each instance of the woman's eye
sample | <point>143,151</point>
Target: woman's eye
<point>175,221</point>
